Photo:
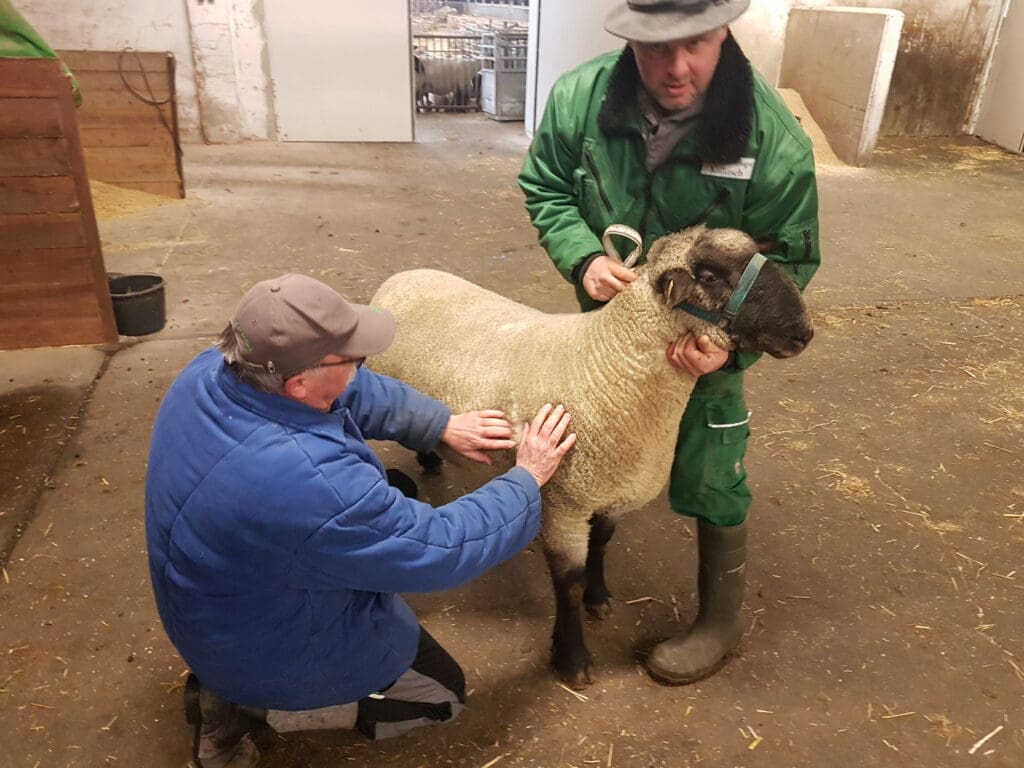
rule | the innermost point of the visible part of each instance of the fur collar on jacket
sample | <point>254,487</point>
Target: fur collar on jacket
<point>724,125</point>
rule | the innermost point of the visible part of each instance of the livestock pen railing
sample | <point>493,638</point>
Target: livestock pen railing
<point>447,72</point>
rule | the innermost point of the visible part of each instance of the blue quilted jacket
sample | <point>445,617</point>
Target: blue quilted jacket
<point>276,546</point>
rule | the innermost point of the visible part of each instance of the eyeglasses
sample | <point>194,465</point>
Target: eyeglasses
<point>357,361</point>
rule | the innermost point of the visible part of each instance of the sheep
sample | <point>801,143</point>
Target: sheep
<point>474,349</point>
<point>446,82</point>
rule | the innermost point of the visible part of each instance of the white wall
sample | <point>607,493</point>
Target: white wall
<point>225,39</point>
<point>111,25</point>
<point>552,51</point>
<point>935,83</point>
<point>760,32</point>
<point>341,74</point>
<point>1000,116</point>
<point>934,87</point>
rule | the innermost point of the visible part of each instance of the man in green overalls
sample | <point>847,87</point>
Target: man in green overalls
<point>677,129</point>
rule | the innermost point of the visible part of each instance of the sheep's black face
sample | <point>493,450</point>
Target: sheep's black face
<point>773,317</point>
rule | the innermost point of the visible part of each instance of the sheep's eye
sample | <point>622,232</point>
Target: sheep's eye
<point>707,277</point>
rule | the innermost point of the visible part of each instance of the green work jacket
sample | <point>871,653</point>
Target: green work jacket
<point>747,164</point>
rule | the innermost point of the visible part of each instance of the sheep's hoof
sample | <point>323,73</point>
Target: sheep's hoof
<point>573,669</point>
<point>577,680</point>
<point>599,611</point>
<point>430,461</point>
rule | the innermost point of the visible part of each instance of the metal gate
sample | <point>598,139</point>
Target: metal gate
<point>503,78</point>
<point>447,72</point>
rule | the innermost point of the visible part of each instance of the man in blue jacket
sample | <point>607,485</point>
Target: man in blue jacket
<point>277,545</point>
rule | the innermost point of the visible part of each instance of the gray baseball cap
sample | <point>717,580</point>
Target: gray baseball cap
<point>658,21</point>
<point>290,323</point>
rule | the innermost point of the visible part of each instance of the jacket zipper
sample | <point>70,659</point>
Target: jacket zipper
<point>647,208</point>
<point>722,195</point>
<point>592,167</point>
<point>807,245</point>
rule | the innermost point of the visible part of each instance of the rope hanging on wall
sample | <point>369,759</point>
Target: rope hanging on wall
<point>151,99</point>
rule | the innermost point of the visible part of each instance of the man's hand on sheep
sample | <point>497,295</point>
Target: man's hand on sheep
<point>696,356</point>
<point>542,448</point>
<point>477,431</point>
<point>605,277</point>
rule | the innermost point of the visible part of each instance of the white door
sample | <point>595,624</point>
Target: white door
<point>341,69</point>
<point>1001,118</point>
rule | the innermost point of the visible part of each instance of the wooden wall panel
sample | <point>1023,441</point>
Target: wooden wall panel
<point>51,321</point>
<point>42,230</point>
<point>29,118</point>
<point>34,157</point>
<point>45,268</point>
<point>133,164</point>
<point>53,285</point>
<point>107,61</point>
<point>124,132</point>
<point>39,193</point>
<point>36,84</point>
<point>127,141</point>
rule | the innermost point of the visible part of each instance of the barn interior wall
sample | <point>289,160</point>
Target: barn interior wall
<point>935,83</point>
<point>224,81</point>
<point>938,74</point>
<point>112,25</point>
<point>222,77</point>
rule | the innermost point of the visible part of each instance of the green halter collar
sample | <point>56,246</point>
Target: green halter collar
<point>726,316</point>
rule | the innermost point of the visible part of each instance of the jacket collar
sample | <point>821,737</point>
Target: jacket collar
<point>724,125</point>
<point>277,408</point>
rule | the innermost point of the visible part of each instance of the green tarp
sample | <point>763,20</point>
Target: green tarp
<point>18,40</point>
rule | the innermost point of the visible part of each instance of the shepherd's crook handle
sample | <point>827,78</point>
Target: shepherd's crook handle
<point>630,234</point>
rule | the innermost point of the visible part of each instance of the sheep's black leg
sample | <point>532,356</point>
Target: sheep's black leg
<point>569,654</point>
<point>596,595</point>
<point>430,461</point>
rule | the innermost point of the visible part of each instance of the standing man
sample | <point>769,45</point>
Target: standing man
<point>675,130</point>
<point>277,545</point>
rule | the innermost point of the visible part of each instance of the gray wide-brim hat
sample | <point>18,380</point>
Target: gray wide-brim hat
<point>658,21</point>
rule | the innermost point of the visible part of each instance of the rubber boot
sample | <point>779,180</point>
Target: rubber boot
<point>221,729</point>
<point>721,579</point>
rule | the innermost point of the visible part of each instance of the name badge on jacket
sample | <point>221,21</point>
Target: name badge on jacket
<point>744,169</point>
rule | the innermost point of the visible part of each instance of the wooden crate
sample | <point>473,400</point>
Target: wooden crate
<point>53,285</point>
<point>127,141</point>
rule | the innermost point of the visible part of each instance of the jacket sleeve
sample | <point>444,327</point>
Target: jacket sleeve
<point>548,179</point>
<point>387,409</point>
<point>385,542</point>
<point>782,208</point>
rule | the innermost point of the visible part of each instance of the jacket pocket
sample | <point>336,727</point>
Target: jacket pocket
<point>798,244</point>
<point>593,176</point>
<point>728,426</point>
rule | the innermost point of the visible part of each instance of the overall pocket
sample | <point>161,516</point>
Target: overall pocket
<point>728,427</point>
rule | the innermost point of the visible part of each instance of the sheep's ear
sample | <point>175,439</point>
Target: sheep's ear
<point>674,286</point>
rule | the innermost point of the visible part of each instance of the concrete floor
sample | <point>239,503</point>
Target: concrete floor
<point>886,563</point>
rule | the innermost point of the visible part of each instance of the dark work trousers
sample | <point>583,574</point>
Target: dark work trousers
<point>432,690</point>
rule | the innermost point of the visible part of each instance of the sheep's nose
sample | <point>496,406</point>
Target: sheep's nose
<point>801,339</point>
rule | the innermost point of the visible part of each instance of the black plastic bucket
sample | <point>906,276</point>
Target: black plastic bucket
<point>139,304</point>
